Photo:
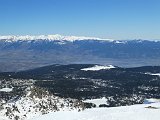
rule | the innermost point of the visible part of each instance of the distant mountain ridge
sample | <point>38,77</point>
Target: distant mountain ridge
<point>14,38</point>
<point>48,37</point>
<point>27,52</point>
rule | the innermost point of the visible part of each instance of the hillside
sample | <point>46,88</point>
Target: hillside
<point>35,102</point>
<point>28,52</point>
<point>121,86</point>
<point>76,87</point>
<point>134,112</point>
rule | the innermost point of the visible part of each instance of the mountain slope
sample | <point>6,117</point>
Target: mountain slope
<point>37,101</point>
<point>135,112</point>
<point>43,90</point>
<point>120,86</point>
<point>27,52</point>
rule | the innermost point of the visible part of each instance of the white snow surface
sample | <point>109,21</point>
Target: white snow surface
<point>150,110</point>
<point>157,74</point>
<point>11,38</point>
<point>134,112</point>
<point>98,67</point>
<point>120,42</point>
<point>6,90</point>
<point>97,102</point>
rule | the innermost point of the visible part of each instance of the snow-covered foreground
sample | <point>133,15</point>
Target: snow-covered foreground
<point>34,103</point>
<point>135,112</point>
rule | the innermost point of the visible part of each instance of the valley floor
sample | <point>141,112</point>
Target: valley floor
<point>135,112</point>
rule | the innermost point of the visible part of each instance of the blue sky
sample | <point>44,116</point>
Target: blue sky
<point>116,19</point>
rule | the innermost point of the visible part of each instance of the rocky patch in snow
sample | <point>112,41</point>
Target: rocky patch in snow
<point>38,101</point>
<point>134,112</point>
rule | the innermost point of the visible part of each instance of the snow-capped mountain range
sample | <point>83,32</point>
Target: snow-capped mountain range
<point>26,52</point>
<point>54,37</point>
<point>49,37</point>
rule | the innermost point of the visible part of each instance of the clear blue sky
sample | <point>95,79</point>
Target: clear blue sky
<point>117,19</point>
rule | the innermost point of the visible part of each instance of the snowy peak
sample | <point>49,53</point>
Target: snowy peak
<point>49,37</point>
<point>57,37</point>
